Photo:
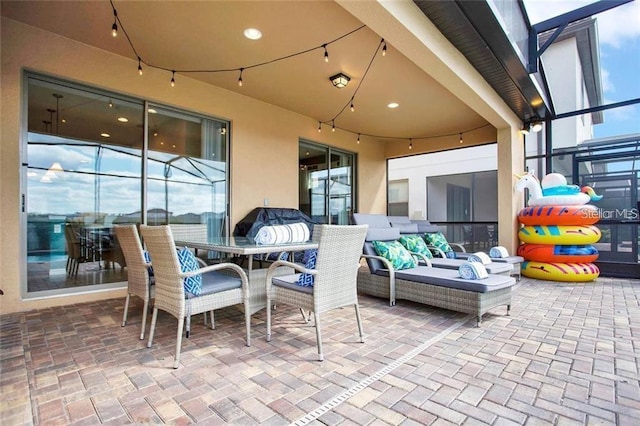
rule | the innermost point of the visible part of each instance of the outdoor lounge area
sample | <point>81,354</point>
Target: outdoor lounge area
<point>566,355</point>
<point>166,166</point>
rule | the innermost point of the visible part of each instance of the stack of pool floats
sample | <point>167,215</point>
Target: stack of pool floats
<point>558,230</point>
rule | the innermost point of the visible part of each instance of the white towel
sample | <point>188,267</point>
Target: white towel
<point>479,257</point>
<point>282,234</point>
<point>498,252</point>
<point>472,271</point>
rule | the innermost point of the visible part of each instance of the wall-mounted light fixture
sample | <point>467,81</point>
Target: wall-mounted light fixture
<point>536,126</point>
<point>340,80</point>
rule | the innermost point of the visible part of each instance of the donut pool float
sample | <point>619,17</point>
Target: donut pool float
<point>547,253</point>
<point>586,214</point>
<point>559,234</point>
<point>570,272</point>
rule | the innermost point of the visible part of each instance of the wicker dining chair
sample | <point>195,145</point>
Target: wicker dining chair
<point>139,278</point>
<point>334,276</point>
<point>219,290</point>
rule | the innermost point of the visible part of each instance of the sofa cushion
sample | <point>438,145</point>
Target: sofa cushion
<point>406,228</point>
<point>291,282</point>
<point>415,244</point>
<point>395,252</point>
<point>373,220</point>
<point>382,234</point>
<point>450,278</point>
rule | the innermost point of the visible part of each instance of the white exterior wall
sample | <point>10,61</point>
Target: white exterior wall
<point>417,168</point>
<point>564,73</point>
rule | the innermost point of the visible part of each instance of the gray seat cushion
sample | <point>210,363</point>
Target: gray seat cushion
<point>215,282</point>
<point>510,259</point>
<point>289,281</point>
<point>492,268</point>
<point>450,278</point>
<point>373,220</point>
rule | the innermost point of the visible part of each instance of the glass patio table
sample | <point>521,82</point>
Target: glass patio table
<point>248,247</point>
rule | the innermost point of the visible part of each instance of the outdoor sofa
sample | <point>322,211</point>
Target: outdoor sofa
<point>429,285</point>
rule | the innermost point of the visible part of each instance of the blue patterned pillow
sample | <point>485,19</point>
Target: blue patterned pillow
<point>395,253</point>
<point>189,263</point>
<point>147,258</point>
<point>306,280</point>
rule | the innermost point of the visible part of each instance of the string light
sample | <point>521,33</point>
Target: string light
<point>333,125</point>
<point>358,140</point>
<point>381,46</point>
<point>114,27</point>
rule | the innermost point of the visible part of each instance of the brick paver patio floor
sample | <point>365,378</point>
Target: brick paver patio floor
<point>568,354</point>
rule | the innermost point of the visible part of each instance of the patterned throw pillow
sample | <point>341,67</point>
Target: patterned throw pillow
<point>147,258</point>
<point>310,256</point>
<point>438,240</point>
<point>395,253</point>
<point>189,263</point>
<point>415,244</point>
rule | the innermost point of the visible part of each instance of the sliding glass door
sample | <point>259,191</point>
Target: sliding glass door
<point>326,182</point>
<point>94,160</point>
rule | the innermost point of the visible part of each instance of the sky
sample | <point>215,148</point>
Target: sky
<point>619,36</point>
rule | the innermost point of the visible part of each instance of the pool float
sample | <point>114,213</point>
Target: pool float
<point>558,253</point>
<point>563,234</point>
<point>586,214</point>
<point>554,191</point>
<point>573,272</point>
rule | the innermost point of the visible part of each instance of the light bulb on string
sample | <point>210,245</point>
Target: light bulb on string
<point>114,27</point>
<point>410,144</point>
<point>110,103</point>
<point>139,65</point>
<point>461,138</point>
<point>352,107</point>
<point>358,140</point>
<point>319,126</point>
<point>384,48</point>
<point>326,53</point>
<point>333,125</point>
<point>173,79</point>
<point>240,77</point>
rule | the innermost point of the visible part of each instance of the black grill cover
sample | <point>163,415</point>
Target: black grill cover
<point>263,216</point>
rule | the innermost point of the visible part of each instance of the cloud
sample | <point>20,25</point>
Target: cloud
<point>607,84</point>
<point>614,26</point>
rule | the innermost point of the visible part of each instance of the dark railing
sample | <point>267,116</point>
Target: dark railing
<point>474,236</point>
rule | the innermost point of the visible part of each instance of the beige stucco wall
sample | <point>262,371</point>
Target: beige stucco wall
<point>264,140</point>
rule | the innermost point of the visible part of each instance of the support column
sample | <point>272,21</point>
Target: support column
<point>510,161</point>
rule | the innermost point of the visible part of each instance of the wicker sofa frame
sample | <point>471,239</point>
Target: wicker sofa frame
<point>440,292</point>
<point>468,302</point>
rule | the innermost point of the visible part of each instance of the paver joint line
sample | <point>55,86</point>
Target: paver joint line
<point>367,381</point>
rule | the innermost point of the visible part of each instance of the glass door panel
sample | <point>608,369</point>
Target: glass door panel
<point>186,170</point>
<point>82,175</point>
<point>326,179</point>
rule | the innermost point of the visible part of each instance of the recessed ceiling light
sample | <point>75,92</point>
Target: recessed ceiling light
<point>393,105</point>
<point>152,111</point>
<point>253,34</point>
<point>105,135</point>
<point>123,119</point>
